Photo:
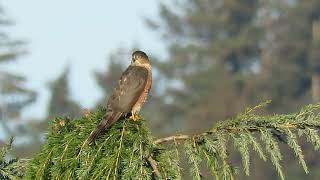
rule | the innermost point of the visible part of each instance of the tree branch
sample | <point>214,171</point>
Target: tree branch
<point>227,128</point>
<point>154,166</point>
<point>172,138</point>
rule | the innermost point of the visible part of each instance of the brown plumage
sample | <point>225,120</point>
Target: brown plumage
<point>130,93</point>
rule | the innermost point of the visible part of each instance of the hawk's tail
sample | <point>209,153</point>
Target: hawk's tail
<point>109,119</point>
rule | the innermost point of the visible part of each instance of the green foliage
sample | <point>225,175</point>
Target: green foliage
<point>222,51</point>
<point>121,153</point>
<point>10,168</point>
<point>194,160</point>
<point>242,132</point>
<point>124,151</point>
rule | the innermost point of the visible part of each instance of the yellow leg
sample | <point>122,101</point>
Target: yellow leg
<point>135,116</point>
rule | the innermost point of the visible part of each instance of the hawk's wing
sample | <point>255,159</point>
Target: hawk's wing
<point>129,88</point>
<point>124,96</point>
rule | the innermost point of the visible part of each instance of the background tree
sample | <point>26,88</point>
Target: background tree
<point>108,78</point>
<point>213,47</point>
<point>61,103</point>
<point>14,96</point>
<point>289,56</point>
<point>246,50</point>
<point>294,65</point>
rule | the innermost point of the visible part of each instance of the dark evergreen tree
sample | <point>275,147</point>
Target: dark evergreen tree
<point>222,51</point>
<point>11,168</point>
<point>293,64</point>
<point>213,48</point>
<point>14,96</point>
<point>290,58</point>
<point>61,103</point>
<point>107,79</point>
<point>129,151</point>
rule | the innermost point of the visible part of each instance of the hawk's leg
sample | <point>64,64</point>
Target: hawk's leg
<point>126,115</point>
<point>135,116</point>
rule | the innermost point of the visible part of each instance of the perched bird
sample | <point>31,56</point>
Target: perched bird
<point>129,95</point>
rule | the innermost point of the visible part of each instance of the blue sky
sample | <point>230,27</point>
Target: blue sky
<point>80,33</point>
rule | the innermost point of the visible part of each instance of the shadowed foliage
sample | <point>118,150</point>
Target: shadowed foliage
<point>122,152</point>
<point>128,151</point>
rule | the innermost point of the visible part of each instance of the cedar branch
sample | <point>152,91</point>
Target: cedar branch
<point>154,166</point>
<point>184,137</point>
<point>172,138</point>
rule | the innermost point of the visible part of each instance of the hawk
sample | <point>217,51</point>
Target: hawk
<point>129,95</point>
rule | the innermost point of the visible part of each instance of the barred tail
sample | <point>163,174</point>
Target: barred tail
<point>103,125</point>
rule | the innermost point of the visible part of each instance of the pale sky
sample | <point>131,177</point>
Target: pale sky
<point>80,33</point>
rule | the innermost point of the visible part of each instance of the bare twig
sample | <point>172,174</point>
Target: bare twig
<point>154,166</point>
<point>172,138</point>
<point>186,137</point>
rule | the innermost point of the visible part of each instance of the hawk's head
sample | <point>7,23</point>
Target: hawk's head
<point>139,57</point>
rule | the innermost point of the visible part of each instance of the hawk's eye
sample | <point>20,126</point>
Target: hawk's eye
<point>136,57</point>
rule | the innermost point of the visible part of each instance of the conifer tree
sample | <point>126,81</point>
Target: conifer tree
<point>60,103</point>
<point>269,56</point>
<point>10,168</point>
<point>107,79</point>
<point>213,47</point>
<point>129,151</point>
<point>14,96</point>
<point>290,54</point>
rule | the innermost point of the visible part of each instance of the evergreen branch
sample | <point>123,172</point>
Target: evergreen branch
<point>128,151</point>
<point>172,138</point>
<point>241,143</point>
<point>86,172</point>
<point>273,149</point>
<point>177,158</point>
<point>10,168</point>
<point>242,129</point>
<point>259,106</point>
<point>293,143</point>
<point>230,129</point>
<point>154,166</point>
<point>65,150</point>
<point>119,150</point>
<point>141,157</point>
<point>194,160</point>
<point>222,149</point>
<point>256,146</point>
<point>41,171</point>
<point>212,164</point>
<point>313,137</point>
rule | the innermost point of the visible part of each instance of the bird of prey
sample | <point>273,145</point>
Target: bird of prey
<point>129,95</point>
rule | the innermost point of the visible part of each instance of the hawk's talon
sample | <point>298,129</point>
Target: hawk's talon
<point>135,116</point>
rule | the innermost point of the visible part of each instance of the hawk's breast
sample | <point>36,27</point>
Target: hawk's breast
<point>142,99</point>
